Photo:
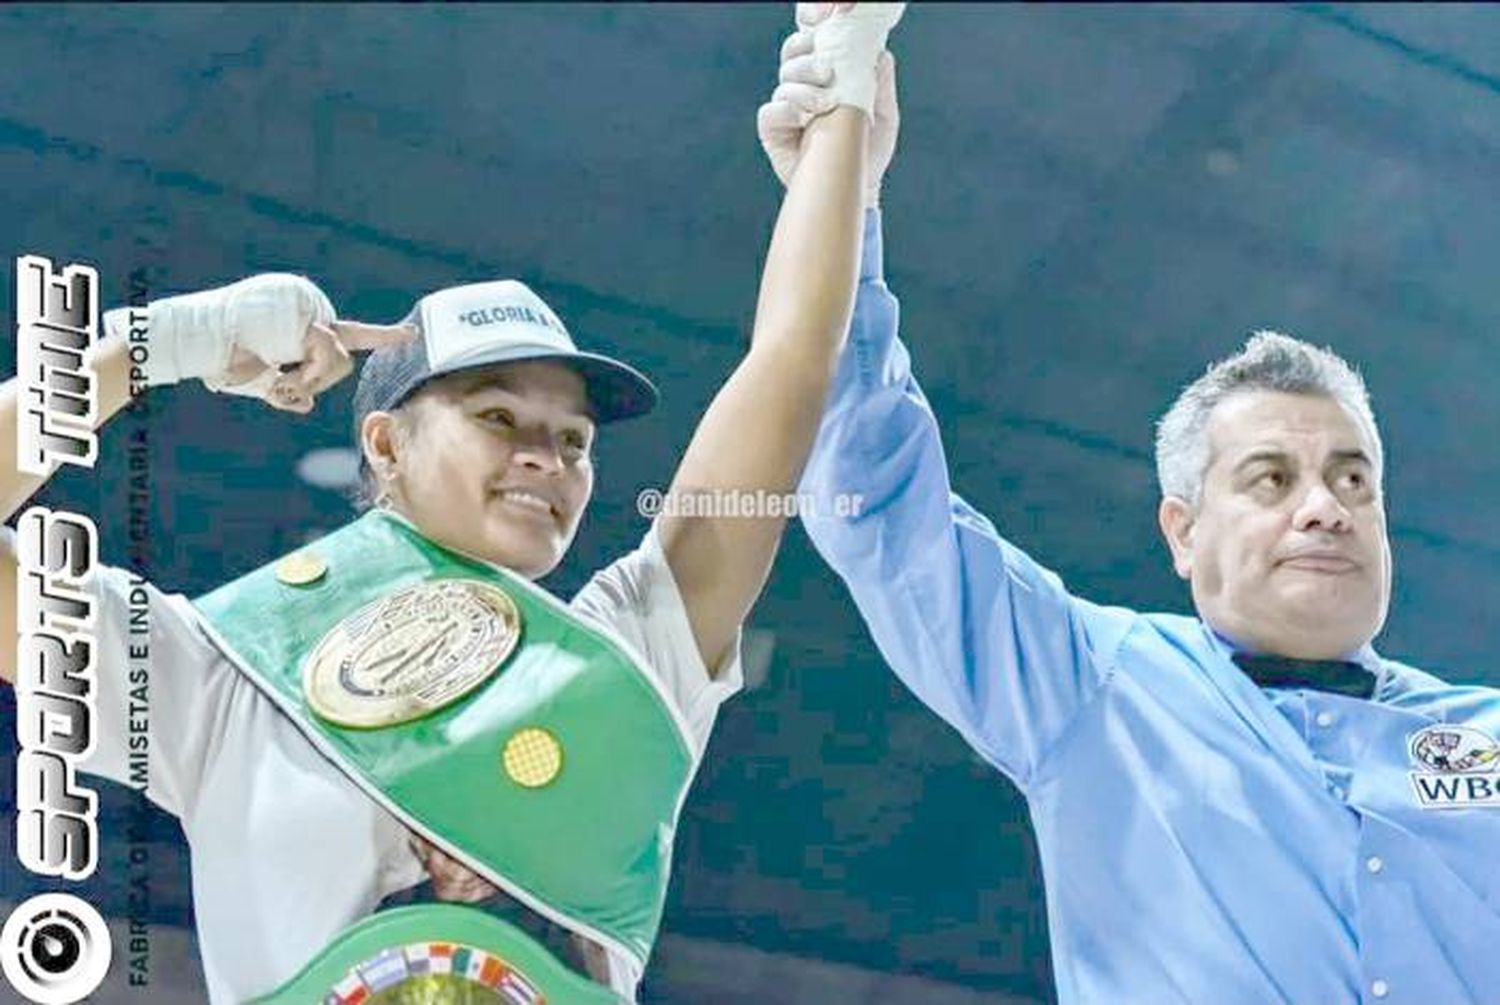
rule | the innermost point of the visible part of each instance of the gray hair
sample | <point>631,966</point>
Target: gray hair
<point>1269,361</point>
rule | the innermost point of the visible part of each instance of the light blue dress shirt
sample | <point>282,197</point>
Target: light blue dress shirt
<point>1203,841</point>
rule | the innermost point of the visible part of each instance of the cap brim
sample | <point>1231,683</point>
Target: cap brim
<point>615,390</point>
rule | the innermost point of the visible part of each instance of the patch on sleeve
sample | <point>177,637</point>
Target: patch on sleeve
<point>1457,767</point>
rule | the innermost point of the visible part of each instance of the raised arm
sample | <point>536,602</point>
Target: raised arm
<point>229,337</point>
<point>985,636</point>
<point>757,432</point>
<point>111,370</point>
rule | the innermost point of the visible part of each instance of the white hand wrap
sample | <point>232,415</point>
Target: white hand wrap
<point>195,335</point>
<point>849,42</point>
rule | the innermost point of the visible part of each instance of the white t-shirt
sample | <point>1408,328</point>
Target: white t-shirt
<point>286,851</point>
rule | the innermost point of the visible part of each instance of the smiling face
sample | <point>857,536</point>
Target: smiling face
<point>495,463</point>
<point>1286,549</point>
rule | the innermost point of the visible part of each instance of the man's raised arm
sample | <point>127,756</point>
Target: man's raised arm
<point>986,637</point>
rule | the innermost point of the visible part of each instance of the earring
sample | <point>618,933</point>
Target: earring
<point>383,477</point>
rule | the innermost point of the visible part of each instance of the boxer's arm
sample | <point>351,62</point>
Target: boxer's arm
<point>111,370</point>
<point>756,433</point>
<point>230,337</point>
<point>986,637</point>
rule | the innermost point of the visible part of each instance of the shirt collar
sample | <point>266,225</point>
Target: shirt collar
<point>1365,656</point>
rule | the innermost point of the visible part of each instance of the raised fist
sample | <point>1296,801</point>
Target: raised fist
<point>804,93</point>
<point>272,336</point>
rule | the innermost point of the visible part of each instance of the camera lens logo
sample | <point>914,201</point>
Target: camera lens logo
<point>55,949</point>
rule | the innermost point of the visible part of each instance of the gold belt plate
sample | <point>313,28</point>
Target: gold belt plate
<point>411,653</point>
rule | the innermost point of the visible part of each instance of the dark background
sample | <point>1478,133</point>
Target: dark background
<point>1088,204</point>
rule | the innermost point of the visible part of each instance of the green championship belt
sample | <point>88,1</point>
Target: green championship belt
<point>490,719</point>
<point>437,954</point>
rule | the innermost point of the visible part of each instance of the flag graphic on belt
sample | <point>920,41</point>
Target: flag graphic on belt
<point>349,991</point>
<point>491,972</point>
<point>385,970</point>
<point>519,991</point>
<point>418,958</point>
<point>441,956</point>
<point>392,967</point>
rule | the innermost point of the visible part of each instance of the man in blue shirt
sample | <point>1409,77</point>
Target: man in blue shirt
<point>1244,807</point>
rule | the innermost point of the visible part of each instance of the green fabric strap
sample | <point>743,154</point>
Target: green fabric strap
<point>592,848</point>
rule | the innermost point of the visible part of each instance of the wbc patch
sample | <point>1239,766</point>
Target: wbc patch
<point>1457,768</point>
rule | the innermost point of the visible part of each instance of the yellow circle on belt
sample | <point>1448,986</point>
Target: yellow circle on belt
<point>532,757</point>
<point>301,568</point>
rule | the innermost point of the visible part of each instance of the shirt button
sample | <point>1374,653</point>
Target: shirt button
<point>1325,719</point>
<point>1380,989</point>
<point>1338,793</point>
<point>1374,863</point>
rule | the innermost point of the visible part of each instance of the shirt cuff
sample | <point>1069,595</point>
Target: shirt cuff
<point>872,257</point>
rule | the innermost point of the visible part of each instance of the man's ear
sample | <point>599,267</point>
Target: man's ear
<point>1176,517</point>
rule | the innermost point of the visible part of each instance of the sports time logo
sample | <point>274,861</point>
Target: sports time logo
<point>1457,768</point>
<point>55,948</point>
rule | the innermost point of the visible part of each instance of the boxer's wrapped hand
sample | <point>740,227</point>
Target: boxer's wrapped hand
<point>803,94</point>
<point>239,338</point>
<point>848,40</point>
<point>266,317</point>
